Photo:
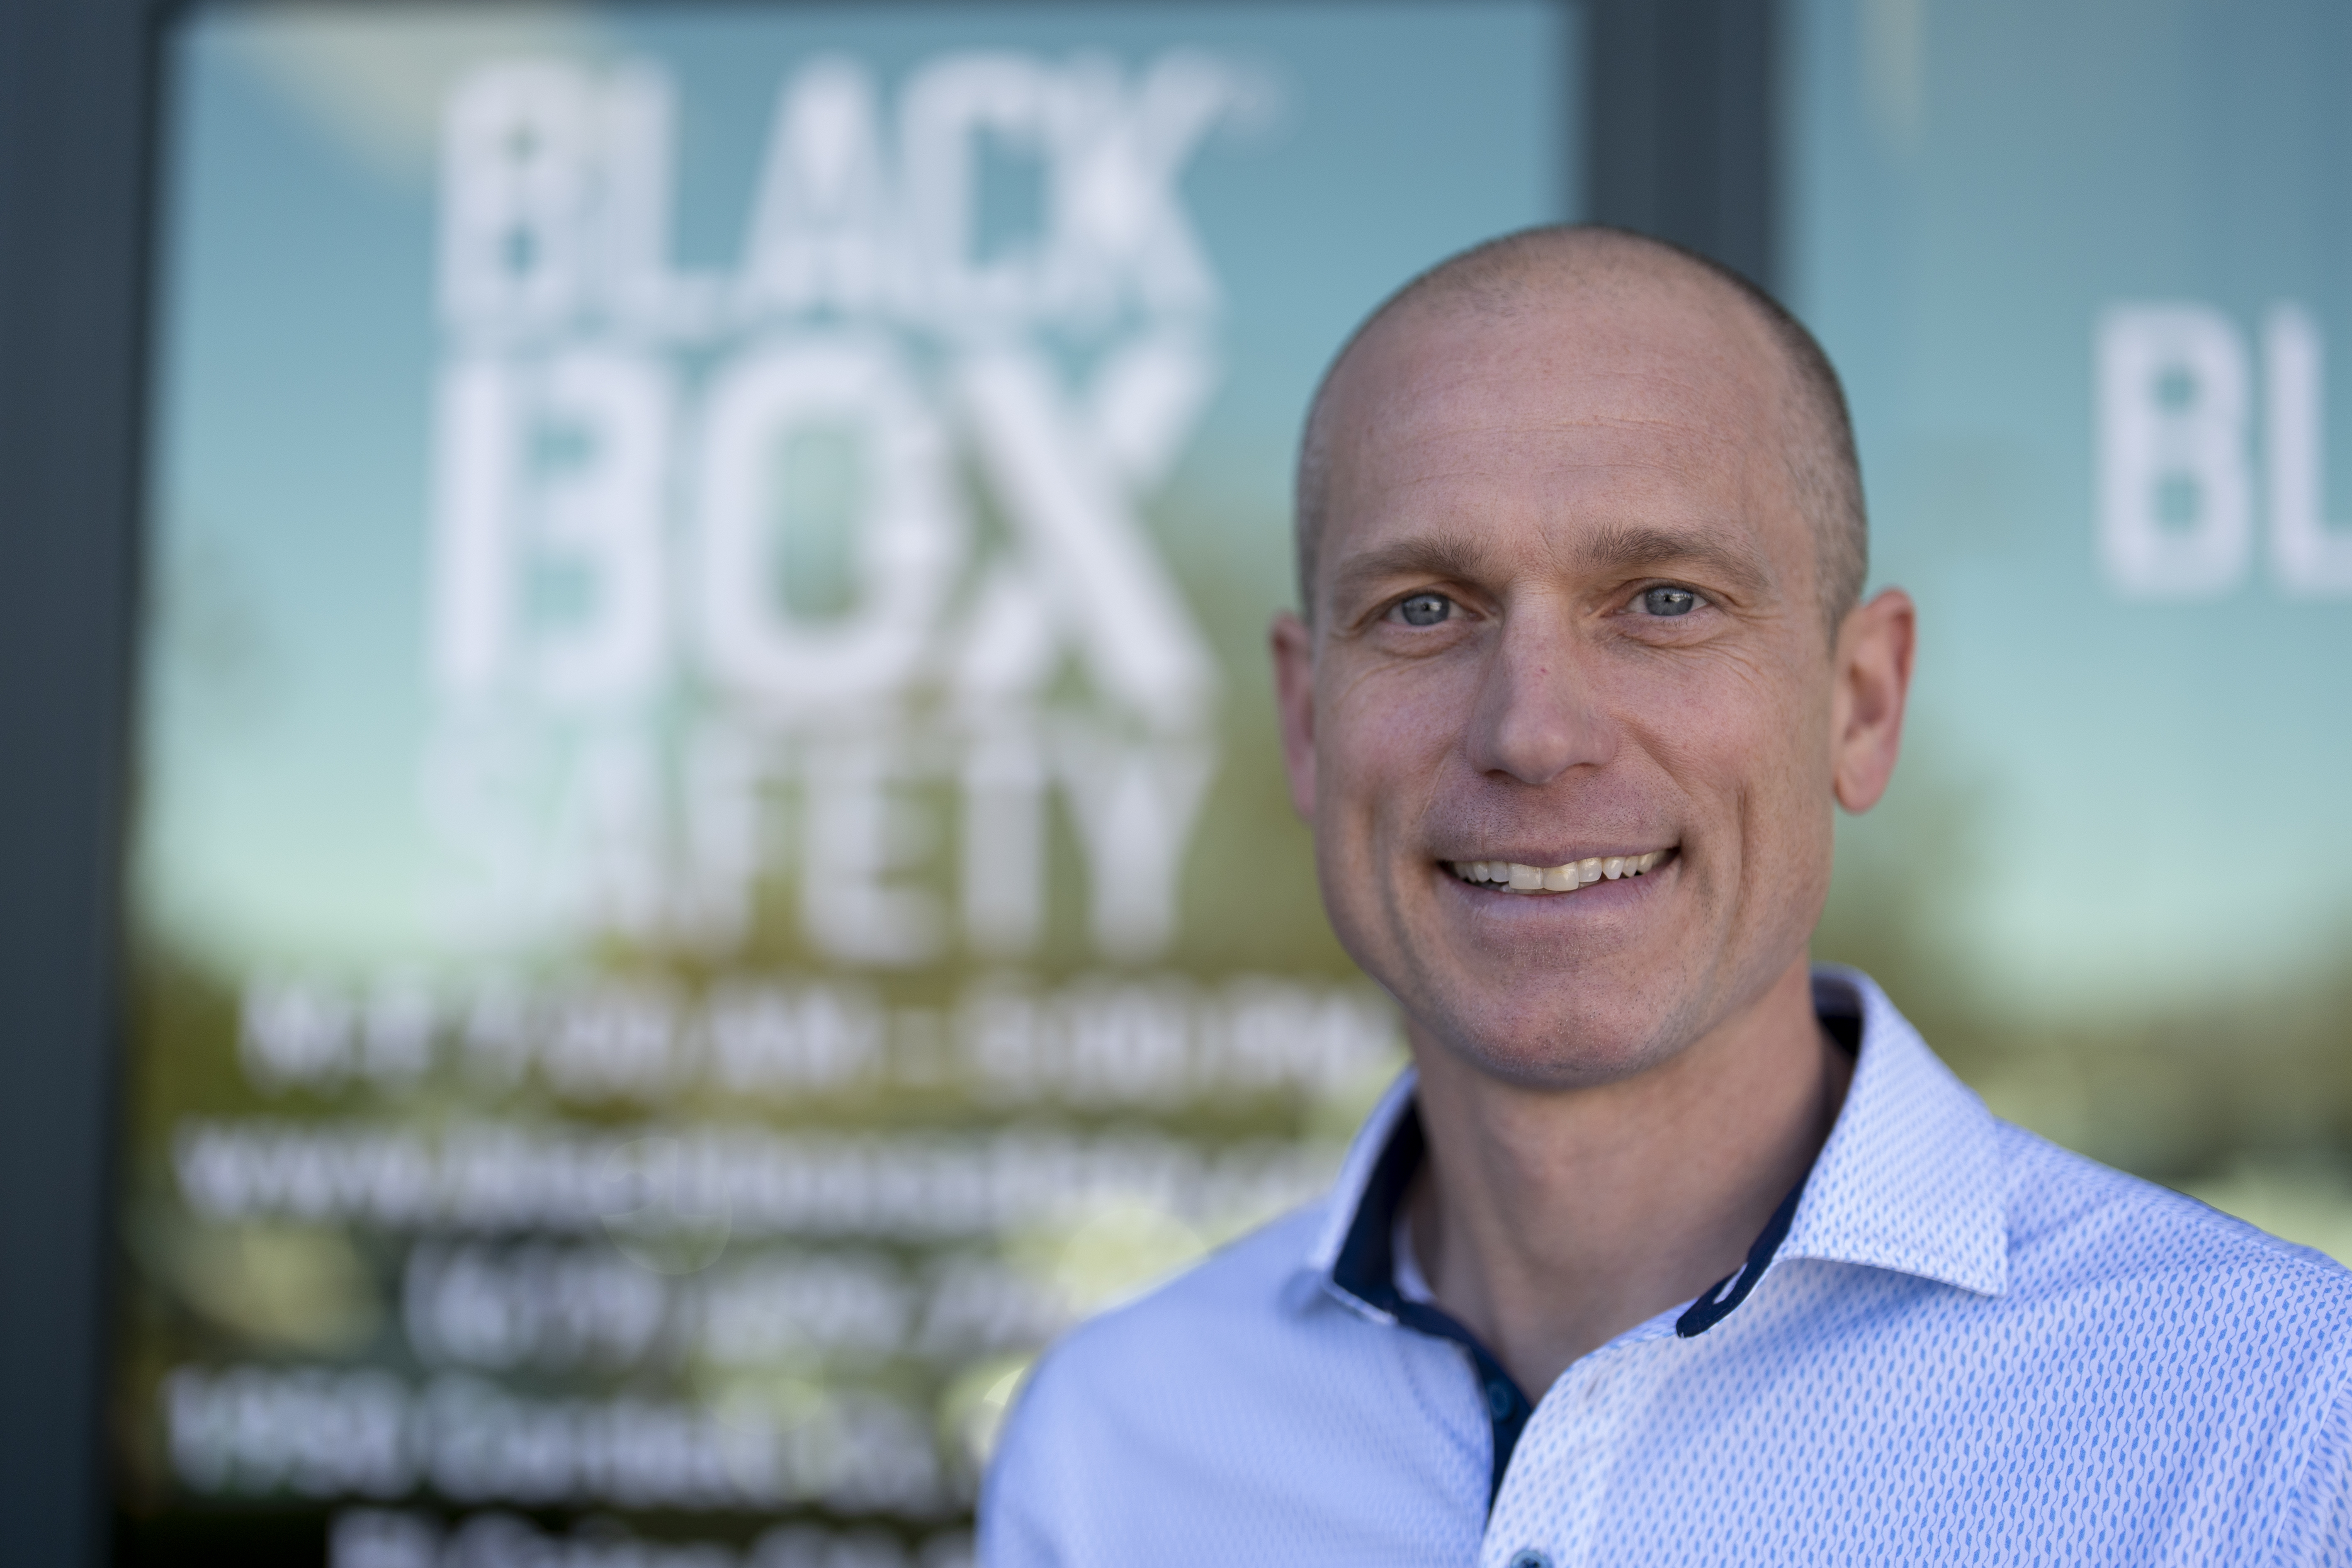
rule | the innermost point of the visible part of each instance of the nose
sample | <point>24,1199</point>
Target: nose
<point>1535,718</point>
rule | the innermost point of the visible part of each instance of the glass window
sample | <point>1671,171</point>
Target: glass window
<point>711,865</point>
<point>2083,267</point>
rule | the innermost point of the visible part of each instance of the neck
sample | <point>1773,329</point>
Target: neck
<point>1549,1222</point>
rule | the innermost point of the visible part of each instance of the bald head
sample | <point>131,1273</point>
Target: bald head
<point>1524,274</point>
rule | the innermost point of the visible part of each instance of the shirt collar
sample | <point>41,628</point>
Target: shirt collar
<point>1371,1141</point>
<point>1910,1179</point>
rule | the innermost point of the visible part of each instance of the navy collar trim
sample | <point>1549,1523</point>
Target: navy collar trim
<point>1717,1302</point>
<point>1366,1269</point>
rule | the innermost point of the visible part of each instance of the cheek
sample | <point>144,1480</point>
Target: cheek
<point>1381,736</point>
<point>1748,747</point>
<point>1788,822</point>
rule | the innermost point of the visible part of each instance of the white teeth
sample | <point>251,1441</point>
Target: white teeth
<point>1562,879</point>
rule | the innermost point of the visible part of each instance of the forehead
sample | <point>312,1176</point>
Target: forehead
<point>1566,411</point>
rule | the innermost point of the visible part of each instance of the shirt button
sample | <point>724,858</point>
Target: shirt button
<point>1499,1400</point>
<point>1529,1557</point>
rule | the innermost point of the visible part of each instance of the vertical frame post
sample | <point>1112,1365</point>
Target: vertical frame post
<point>1684,122</point>
<point>74,105</point>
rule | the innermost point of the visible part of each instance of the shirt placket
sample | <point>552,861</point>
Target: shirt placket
<point>1548,1511</point>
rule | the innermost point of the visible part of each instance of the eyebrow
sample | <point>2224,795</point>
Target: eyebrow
<point>1453,556</point>
<point>1461,558</point>
<point>1634,547</point>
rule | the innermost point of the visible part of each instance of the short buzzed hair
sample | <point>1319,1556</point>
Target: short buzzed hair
<point>1822,467</point>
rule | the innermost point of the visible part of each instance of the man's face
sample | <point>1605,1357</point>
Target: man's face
<point>1566,609</point>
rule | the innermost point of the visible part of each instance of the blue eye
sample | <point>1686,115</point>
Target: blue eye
<point>1669,601</point>
<point>1424,609</point>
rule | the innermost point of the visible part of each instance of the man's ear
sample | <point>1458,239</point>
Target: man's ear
<point>1873,680</point>
<point>1294,700</point>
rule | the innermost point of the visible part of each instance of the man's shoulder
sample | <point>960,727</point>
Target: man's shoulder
<point>1187,1381</point>
<point>1240,1413</point>
<point>1228,1345</point>
<point>2075,1225</point>
<point>1237,1293</point>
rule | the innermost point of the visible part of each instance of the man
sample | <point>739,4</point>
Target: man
<point>1671,1249</point>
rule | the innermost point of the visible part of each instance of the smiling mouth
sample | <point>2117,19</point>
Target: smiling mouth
<point>1510,876</point>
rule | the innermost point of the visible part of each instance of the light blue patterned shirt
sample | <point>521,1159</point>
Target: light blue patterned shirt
<point>1967,1345</point>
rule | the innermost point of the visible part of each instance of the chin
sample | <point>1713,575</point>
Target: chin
<point>1552,1043</point>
